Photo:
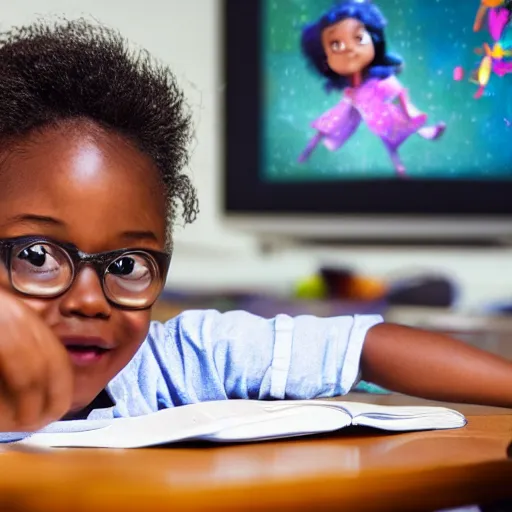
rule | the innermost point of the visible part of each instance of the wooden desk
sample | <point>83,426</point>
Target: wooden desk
<point>354,471</point>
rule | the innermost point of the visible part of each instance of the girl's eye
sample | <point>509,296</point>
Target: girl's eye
<point>40,258</point>
<point>122,267</point>
<point>130,267</point>
<point>363,38</point>
<point>130,274</point>
<point>337,46</point>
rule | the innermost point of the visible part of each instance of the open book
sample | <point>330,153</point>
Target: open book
<point>250,420</point>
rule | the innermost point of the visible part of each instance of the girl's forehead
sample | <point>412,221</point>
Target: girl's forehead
<point>95,186</point>
<point>346,25</point>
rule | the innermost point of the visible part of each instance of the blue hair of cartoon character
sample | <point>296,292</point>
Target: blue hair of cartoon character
<point>383,65</point>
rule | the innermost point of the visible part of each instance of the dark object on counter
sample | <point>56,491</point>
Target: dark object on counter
<point>423,291</point>
<point>428,290</point>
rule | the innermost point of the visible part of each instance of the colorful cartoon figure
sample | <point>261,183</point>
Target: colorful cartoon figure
<point>347,46</point>
<point>498,14</point>
<point>494,60</point>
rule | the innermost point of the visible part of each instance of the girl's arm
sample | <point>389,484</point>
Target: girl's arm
<point>434,366</point>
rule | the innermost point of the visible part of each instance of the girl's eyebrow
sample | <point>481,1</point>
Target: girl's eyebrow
<point>31,217</point>
<point>140,235</point>
<point>132,235</point>
<point>330,29</point>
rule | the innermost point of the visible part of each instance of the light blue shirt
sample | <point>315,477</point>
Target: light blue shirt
<point>206,355</point>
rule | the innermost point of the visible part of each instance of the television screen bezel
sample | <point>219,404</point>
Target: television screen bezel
<point>246,193</point>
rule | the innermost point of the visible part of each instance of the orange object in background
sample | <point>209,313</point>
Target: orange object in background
<point>365,288</point>
<point>341,284</point>
<point>428,289</point>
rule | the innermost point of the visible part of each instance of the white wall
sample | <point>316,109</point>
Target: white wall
<point>185,33</point>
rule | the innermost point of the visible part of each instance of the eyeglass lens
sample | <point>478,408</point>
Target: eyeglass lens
<point>43,269</point>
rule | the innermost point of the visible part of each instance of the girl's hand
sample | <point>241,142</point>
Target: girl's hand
<point>35,371</point>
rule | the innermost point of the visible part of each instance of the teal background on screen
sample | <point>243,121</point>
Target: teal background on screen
<point>433,37</point>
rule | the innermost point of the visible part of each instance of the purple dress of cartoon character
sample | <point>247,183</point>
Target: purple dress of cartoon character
<point>347,46</point>
<point>372,103</point>
<point>498,19</point>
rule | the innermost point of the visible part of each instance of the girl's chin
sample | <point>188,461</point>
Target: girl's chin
<point>348,71</point>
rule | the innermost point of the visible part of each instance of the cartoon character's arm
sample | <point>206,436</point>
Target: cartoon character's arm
<point>427,132</point>
<point>390,90</point>
<point>393,90</point>
<point>408,107</point>
<point>479,18</point>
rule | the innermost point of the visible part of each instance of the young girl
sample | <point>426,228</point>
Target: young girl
<point>93,140</point>
<point>347,46</point>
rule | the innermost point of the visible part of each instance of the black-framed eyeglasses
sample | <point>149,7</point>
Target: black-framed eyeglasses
<point>41,267</point>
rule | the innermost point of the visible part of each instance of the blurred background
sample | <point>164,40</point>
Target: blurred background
<point>223,264</point>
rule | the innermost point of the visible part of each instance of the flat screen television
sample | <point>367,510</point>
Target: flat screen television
<point>367,121</point>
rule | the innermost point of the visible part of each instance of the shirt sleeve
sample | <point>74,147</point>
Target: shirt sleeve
<point>212,355</point>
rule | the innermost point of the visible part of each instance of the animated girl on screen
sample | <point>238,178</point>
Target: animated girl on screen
<point>348,47</point>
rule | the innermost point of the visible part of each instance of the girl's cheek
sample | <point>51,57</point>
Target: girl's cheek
<point>41,307</point>
<point>134,324</point>
<point>4,278</point>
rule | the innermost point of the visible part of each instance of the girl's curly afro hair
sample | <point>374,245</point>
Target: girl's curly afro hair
<point>52,73</point>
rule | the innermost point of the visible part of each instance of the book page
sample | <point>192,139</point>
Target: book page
<point>282,422</point>
<point>400,418</point>
<point>224,420</point>
<point>249,420</point>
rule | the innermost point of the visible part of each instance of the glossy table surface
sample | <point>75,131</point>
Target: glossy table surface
<point>351,470</point>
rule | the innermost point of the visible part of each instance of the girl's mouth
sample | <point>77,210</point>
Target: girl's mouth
<point>86,351</point>
<point>85,355</point>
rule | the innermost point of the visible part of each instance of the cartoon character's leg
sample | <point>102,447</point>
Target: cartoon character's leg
<point>312,144</point>
<point>397,162</point>
<point>432,132</point>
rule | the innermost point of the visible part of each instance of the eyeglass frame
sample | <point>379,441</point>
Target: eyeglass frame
<point>98,261</point>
